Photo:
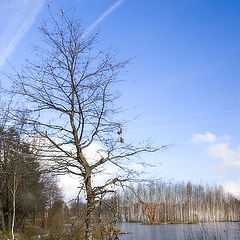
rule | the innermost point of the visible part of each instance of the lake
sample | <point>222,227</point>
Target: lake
<point>202,231</point>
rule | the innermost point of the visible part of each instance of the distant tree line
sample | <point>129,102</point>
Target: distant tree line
<point>168,202</point>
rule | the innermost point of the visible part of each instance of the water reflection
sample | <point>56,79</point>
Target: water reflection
<point>203,231</point>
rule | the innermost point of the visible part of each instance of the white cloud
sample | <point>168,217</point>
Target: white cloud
<point>21,17</point>
<point>94,152</point>
<point>232,187</point>
<point>204,138</point>
<point>230,157</point>
<point>70,184</point>
<point>224,138</point>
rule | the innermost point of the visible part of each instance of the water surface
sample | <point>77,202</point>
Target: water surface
<point>202,231</point>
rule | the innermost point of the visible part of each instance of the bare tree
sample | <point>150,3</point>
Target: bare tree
<point>70,90</point>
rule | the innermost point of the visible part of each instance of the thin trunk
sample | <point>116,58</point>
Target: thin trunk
<point>13,217</point>
<point>8,210</point>
<point>100,218</point>
<point>14,205</point>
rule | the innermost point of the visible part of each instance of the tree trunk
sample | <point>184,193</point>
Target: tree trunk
<point>90,208</point>
<point>89,220</point>
<point>14,205</point>
<point>13,216</point>
<point>2,216</point>
<point>9,220</point>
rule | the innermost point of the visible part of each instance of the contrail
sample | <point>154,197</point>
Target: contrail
<point>103,16</point>
<point>22,30</point>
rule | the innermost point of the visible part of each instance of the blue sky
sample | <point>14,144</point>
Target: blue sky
<point>183,84</point>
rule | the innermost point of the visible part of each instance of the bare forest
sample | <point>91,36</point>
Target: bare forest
<point>171,202</point>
